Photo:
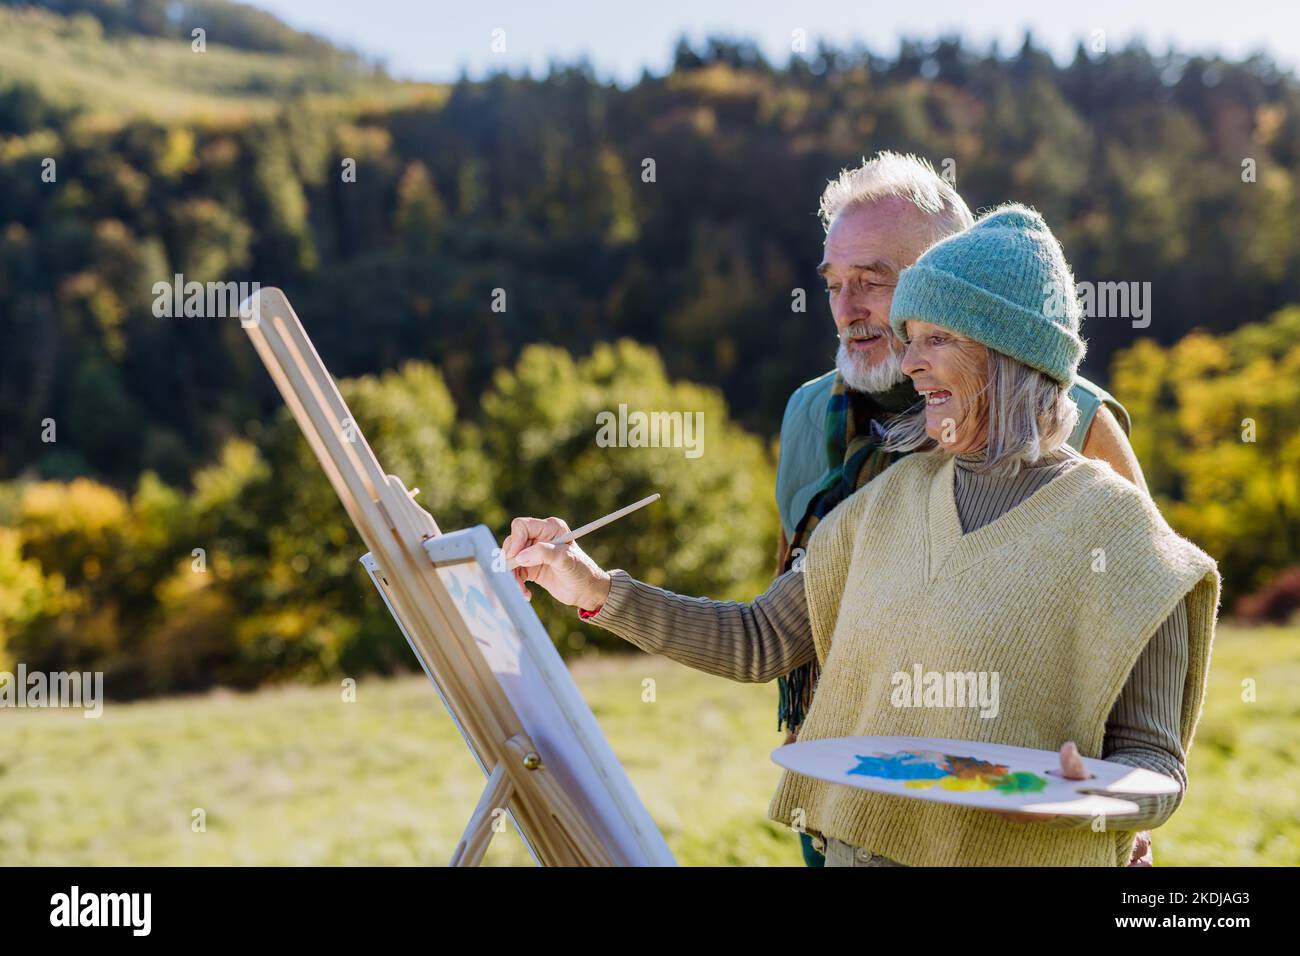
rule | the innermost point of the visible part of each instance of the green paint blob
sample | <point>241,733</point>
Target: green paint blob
<point>1021,782</point>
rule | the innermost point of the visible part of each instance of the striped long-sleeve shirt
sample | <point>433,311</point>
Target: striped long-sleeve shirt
<point>770,636</point>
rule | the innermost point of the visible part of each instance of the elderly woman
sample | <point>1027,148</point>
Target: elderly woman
<point>995,548</point>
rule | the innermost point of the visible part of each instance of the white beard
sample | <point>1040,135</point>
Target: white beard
<point>861,377</point>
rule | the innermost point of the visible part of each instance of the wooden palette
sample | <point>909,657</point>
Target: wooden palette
<point>969,774</point>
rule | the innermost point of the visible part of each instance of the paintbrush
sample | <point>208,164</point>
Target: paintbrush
<point>591,526</point>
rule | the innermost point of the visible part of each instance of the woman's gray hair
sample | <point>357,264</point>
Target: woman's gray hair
<point>1027,415</point>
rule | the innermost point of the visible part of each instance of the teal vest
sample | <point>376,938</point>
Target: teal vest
<point>802,463</point>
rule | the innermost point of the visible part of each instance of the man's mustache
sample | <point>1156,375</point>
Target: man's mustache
<point>861,330</point>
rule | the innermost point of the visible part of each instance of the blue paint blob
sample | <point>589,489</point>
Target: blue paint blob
<point>902,766</point>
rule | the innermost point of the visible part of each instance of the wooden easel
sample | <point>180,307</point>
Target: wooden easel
<point>396,530</point>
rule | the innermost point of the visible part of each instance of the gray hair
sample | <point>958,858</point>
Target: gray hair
<point>1028,415</point>
<point>905,176</point>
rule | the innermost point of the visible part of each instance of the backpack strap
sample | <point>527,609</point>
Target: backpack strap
<point>1091,397</point>
<point>801,463</point>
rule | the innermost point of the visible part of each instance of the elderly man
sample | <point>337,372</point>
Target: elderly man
<point>879,218</point>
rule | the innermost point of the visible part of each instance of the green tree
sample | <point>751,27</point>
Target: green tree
<point>1217,429</point>
<point>712,533</point>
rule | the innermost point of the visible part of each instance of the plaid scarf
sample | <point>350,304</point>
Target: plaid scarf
<point>854,431</point>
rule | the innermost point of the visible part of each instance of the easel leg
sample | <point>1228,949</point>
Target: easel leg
<point>478,832</point>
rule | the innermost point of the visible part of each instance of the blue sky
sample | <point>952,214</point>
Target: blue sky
<point>435,39</point>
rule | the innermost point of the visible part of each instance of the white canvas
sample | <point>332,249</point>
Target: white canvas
<point>535,679</point>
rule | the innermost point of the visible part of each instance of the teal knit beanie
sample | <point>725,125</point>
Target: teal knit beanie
<point>1003,282</point>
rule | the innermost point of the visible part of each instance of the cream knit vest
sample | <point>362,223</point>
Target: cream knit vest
<point>892,582</point>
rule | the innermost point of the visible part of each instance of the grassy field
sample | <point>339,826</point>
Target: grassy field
<point>296,776</point>
<point>71,63</point>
